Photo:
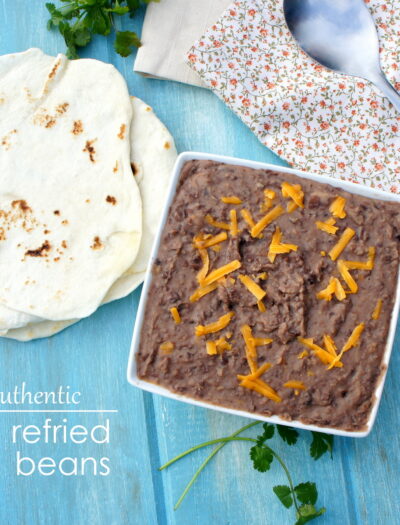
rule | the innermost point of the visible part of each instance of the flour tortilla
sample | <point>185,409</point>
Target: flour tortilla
<point>71,216</point>
<point>153,155</point>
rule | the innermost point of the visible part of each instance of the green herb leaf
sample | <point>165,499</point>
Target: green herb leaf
<point>289,435</point>
<point>124,42</point>
<point>268,433</point>
<point>308,513</point>
<point>261,457</point>
<point>284,494</point>
<point>321,444</point>
<point>307,492</point>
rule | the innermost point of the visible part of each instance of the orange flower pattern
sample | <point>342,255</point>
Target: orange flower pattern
<point>316,119</point>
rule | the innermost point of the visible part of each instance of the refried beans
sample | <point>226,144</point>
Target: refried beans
<point>300,309</point>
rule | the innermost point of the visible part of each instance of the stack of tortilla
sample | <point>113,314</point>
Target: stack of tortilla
<point>84,175</point>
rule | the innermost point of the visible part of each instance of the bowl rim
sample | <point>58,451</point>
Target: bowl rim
<point>153,388</point>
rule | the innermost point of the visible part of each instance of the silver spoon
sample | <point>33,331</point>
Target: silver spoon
<point>340,35</point>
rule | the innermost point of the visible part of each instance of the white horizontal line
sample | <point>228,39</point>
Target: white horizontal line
<point>62,411</point>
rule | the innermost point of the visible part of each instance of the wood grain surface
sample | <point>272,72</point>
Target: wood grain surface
<point>358,487</point>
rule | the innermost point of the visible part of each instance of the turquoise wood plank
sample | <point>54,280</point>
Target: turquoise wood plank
<point>91,357</point>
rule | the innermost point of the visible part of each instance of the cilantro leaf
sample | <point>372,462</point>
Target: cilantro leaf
<point>307,513</point>
<point>321,444</point>
<point>262,457</point>
<point>307,492</point>
<point>284,494</point>
<point>289,435</point>
<point>124,42</point>
<point>268,433</point>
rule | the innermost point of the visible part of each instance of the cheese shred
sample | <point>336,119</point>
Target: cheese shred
<point>346,276</point>
<point>175,315</point>
<point>324,356</point>
<point>250,346</point>
<point>344,240</point>
<point>258,373</point>
<point>252,287</point>
<point>218,325</point>
<point>327,226</point>
<point>201,242</point>
<point>202,291</point>
<point>220,272</point>
<point>298,385</point>
<point>217,224</point>
<point>259,386</point>
<point>231,200</point>
<point>294,192</point>
<point>377,310</point>
<point>233,225</point>
<point>266,220</point>
<point>337,207</point>
<point>360,265</point>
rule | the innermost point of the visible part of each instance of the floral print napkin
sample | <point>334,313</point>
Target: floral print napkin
<point>316,119</point>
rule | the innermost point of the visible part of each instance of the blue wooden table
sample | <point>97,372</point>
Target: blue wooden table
<point>359,486</point>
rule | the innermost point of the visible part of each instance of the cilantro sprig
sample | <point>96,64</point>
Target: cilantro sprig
<point>78,20</point>
<point>302,496</point>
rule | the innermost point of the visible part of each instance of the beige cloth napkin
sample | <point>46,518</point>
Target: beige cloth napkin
<point>169,30</point>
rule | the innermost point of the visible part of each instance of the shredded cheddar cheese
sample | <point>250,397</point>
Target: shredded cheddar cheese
<point>216,248</point>
<point>323,253</point>
<point>251,350</point>
<point>327,226</point>
<point>324,356</point>
<point>344,240</point>
<point>210,241</point>
<point>175,315</point>
<point>360,265</point>
<point>269,196</point>
<point>221,272</point>
<point>302,354</point>
<point>206,265</point>
<point>252,287</point>
<point>262,276</point>
<point>334,288</point>
<point>347,278</point>
<point>298,385</point>
<point>266,220</point>
<point>218,325</point>
<point>330,346</point>
<point>337,207</point>
<point>262,341</point>
<point>233,224</point>
<point>377,310</point>
<point>202,291</point>
<point>258,373</point>
<point>167,347</point>
<point>261,306</point>
<point>247,218</point>
<point>351,342</point>
<point>294,192</point>
<point>211,348</point>
<point>259,386</point>
<point>231,200</point>
<point>276,247</point>
<point>221,225</point>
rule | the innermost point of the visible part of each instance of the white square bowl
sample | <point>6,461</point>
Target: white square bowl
<point>155,389</point>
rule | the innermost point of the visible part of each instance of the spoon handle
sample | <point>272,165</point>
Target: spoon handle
<point>387,89</point>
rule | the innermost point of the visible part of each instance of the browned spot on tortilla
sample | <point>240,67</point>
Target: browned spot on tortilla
<point>87,200</point>
<point>78,127</point>
<point>90,149</point>
<point>46,232</point>
<point>64,244</point>
<point>134,168</point>
<point>56,212</point>
<point>40,252</point>
<point>2,100</point>
<point>2,234</point>
<point>50,122</point>
<point>54,70</point>
<point>148,108</point>
<point>115,168</point>
<point>5,141</point>
<point>122,129</point>
<point>62,108</point>
<point>97,244</point>
<point>167,145</point>
<point>112,200</point>
<point>22,205</point>
<point>56,259</point>
<point>64,222</point>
